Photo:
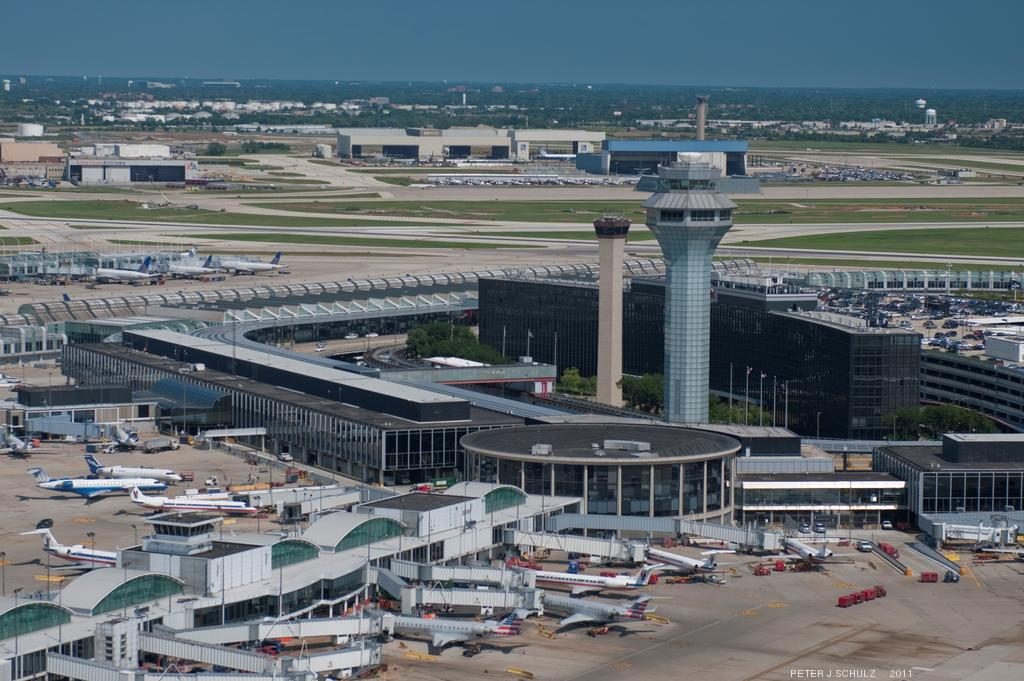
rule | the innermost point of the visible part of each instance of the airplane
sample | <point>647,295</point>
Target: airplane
<point>99,470</point>
<point>445,631</point>
<point>543,153</point>
<point>124,439</point>
<point>16,447</point>
<point>252,266</point>
<point>91,487</point>
<point>76,553</point>
<point>1016,553</point>
<point>596,612</point>
<point>117,275</point>
<point>583,584</point>
<point>189,503</point>
<point>806,552</point>
<point>190,271</point>
<point>685,563</point>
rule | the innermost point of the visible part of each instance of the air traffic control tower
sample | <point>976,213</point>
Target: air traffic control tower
<point>689,219</point>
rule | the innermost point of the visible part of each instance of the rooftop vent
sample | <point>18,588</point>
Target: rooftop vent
<point>541,450</point>
<point>627,445</point>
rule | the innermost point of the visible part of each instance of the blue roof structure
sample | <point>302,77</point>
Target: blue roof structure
<point>663,145</point>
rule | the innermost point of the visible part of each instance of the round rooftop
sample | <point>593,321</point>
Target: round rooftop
<point>600,443</point>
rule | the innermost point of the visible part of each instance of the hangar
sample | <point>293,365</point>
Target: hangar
<point>632,157</point>
<point>433,144</point>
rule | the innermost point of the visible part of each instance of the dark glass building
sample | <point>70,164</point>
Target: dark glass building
<point>824,375</point>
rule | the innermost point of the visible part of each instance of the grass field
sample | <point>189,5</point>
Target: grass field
<point>635,234</point>
<point>418,170</point>
<point>129,210</point>
<point>964,163</point>
<point>841,264</point>
<point>6,241</point>
<point>902,149</point>
<point>340,254</point>
<point>326,240</point>
<point>999,242</point>
<point>749,211</point>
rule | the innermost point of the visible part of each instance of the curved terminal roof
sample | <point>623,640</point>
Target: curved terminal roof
<point>330,530</point>
<point>600,443</point>
<point>20,616</point>
<point>479,489</point>
<point>87,592</point>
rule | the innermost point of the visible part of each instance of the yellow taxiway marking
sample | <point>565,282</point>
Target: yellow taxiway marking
<point>970,573</point>
<point>776,604</point>
<point>423,657</point>
<point>752,612</point>
<point>49,578</point>
<point>82,520</point>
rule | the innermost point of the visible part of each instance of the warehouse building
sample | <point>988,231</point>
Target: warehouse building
<point>623,469</point>
<point>432,144</point>
<point>92,171</point>
<point>640,157</point>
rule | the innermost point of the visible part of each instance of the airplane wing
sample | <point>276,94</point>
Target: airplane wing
<point>92,493</point>
<point>582,590</point>
<point>441,639</point>
<point>576,619</point>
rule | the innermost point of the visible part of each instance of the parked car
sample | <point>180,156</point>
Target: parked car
<point>805,528</point>
<point>44,524</point>
<point>351,336</point>
<point>819,527</point>
<point>372,335</point>
<point>886,525</point>
<point>865,546</point>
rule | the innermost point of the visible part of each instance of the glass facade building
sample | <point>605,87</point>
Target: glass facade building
<point>682,469</point>
<point>836,500</point>
<point>823,375</point>
<point>937,485</point>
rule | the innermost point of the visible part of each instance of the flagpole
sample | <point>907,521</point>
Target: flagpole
<point>775,399</point>
<point>503,353</point>
<point>760,400</point>
<point>746,400</point>
<point>529,335</point>
<point>730,389</point>
<point>785,402</point>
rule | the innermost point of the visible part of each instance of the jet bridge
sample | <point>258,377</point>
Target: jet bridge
<point>414,597</point>
<point>339,628</point>
<point>612,550</point>
<point>747,537</point>
<point>420,572</point>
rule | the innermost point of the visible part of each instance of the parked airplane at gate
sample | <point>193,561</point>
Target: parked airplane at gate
<point>189,503</point>
<point>444,632</point>
<point>191,271</point>
<point>116,275</point>
<point>596,612</point>
<point>543,153</point>
<point>98,469</point>
<point>583,584</point>
<point>808,553</point>
<point>76,553</point>
<point>685,563</point>
<point>91,487</point>
<point>239,266</point>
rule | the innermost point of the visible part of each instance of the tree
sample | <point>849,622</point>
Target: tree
<point>931,422</point>
<point>575,384</point>
<point>439,339</point>
<point>719,411</point>
<point>646,392</point>
<point>216,149</point>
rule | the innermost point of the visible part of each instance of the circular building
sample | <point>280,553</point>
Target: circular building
<point>617,469</point>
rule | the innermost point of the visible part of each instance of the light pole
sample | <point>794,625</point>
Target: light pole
<point>760,401</point>
<point>3,571</point>
<point>135,534</point>
<point>817,425</point>
<point>17,660</point>
<point>746,399</point>
<point>92,540</point>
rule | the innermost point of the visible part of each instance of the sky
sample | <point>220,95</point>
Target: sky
<point>761,43</point>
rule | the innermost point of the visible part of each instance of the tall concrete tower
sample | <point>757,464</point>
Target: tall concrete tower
<point>688,218</point>
<point>611,238</point>
<point>702,115</point>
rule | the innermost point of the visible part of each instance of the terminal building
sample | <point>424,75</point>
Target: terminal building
<point>435,144</point>
<point>824,375</point>
<point>616,468</point>
<point>643,157</point>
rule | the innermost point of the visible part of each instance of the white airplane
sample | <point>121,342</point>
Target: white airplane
<point>190,503</point>
<point>583,584</point>
<point>76,553</point>
<point>91,487</point>
<point>445,631</point>
<point>190,271</point>
<point>99,470</point>
<point>16,447</point>
<point>124,439</point>
<point>596,612</point>
<point>239,266</point>
<point>1017,553</point>
<point>685,563</point>
<point>806,552</point>
<point>115,275</point>
<point>543,153</point>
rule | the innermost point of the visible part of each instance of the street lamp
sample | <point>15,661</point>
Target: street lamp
<point>17,660</point>
<point>92,540</point>
<point>817,426</point>
<point>135,534</point>
<point>3,571</point>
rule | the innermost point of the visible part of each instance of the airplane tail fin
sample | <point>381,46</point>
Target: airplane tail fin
<point>49,541</point>
<point>144,267</point>
<point>644,577</point>
<point>277,258</point>
<point>192,251</point>
<point>512,625</point>
<point>39,474</point>
<point>209,262</point>
<point>66,297</point>
<point>638,607</point>
<point>136,495</point>
<point>93,463</point>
